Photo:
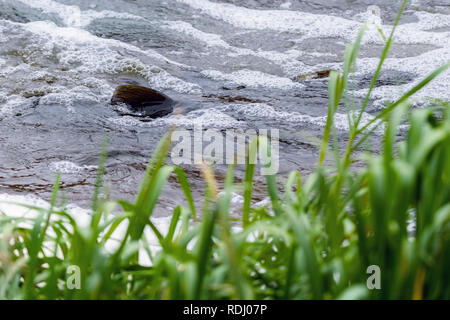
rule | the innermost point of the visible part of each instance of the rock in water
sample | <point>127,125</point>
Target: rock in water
<point>315,75</point>
<point>146,101</point>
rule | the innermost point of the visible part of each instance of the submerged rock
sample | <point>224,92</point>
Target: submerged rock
<point>315,75</point>
<point>146,101</point>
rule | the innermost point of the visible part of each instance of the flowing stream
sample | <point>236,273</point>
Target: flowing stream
<point>229,64</point>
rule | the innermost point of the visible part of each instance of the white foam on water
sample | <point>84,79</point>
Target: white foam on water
<point>161,223</point>
<point>421,65</point>
<point>289,61</point>
<point>208,118</point>
<point>429,21</point>
<point>17,206</point>
<point>411,33</point>
<point>210,39</point>
<point>97,55</point>
<point>3,96</point>
<point>217,117</point>
<point>67,97</point>
<point>266,202</point>
<point>278,20</point>
<point>267,112</point>
<point>3,37</point>
<point>73,16</point>
<point>68,167</point>
<point>310,25</point>
<point>87,54</point>
<point>286,5</point>
<point>153,54</point>
<point>10,103</point>
<point>235,200</point>
<point>253,79</point>
<point>9,69</point>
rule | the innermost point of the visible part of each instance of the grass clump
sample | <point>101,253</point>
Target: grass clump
<point>316,240</point>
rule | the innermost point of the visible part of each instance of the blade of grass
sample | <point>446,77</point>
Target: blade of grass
<point>248,181</point>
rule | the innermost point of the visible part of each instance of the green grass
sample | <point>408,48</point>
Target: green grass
<point>314,241</point>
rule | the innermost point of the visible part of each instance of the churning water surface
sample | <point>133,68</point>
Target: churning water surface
<point>228,63</point>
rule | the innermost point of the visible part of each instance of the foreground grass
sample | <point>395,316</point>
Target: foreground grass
<point>315,240</point>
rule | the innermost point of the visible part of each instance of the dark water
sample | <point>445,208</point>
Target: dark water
<point>228,63</point>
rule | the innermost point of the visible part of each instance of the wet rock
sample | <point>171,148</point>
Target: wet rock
<point>315,75</point>
<point>237,88</point>
<point>145,101</point>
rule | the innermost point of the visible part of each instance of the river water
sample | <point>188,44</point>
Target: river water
<point>228,63</point>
